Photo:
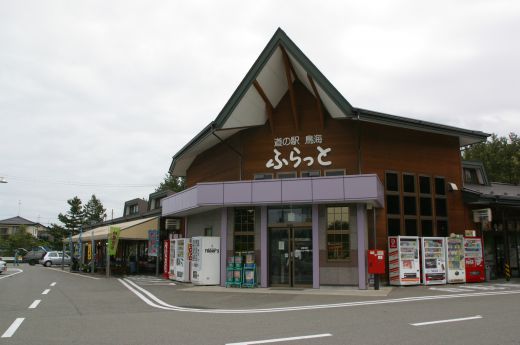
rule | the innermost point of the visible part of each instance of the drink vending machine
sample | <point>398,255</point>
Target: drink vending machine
<point>182,259</point>
<point>433,260</point>
<point>171,273</point>
<point>474,260</point>
<point>403,260</point>
<point>456,266</point>
<point>205,264</point>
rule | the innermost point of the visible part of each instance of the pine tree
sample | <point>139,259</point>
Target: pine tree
<point>94,211</point>
<point>75,216</point>
<point>173,183</point>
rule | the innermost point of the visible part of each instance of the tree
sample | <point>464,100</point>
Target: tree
<point>75,216</point>
<point>58,233</point>
<point>21,239</point>
<point>94,211</point>
<point>173,183</point>
<point>500,156</point>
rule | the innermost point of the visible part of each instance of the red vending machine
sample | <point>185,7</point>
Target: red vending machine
<point>166,257</point>
<point>474,260</point>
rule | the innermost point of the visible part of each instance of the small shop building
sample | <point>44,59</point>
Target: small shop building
<point>291,171</point>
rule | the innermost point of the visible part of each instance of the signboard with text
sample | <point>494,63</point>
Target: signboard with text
<point>153,242</point>
<point>295,157</point>
<point>113,239</point>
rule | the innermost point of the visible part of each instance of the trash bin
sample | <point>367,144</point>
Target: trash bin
<point>132,265</point>
<point>488,272</point>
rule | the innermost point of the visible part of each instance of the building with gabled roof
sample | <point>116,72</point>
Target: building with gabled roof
<point>291,172</point>
<point>11,225</point>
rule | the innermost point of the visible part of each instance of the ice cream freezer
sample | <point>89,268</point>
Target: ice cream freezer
<point>205,264</point>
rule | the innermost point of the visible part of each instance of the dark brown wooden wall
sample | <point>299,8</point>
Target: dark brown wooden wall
<point>382,148</point>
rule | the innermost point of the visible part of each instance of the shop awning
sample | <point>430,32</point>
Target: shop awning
<point>132,230</point>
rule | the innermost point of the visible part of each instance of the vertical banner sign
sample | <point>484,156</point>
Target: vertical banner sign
<point>113,238</point>
<point>153,242</point>
<point>89,251</point>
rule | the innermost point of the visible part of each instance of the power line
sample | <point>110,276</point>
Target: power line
<point>80,184</point>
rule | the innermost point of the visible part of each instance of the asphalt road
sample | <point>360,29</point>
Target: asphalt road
<point>81,310</point>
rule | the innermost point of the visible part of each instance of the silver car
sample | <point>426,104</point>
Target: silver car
<point>54,258</point>
<point>3,266</point>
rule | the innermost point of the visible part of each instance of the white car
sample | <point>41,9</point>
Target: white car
<point>3,266</point>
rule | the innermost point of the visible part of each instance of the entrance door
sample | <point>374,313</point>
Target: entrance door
<point>290,257</point>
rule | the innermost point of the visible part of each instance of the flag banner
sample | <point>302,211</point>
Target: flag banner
<point>153,242</point>
<point>113,239</point>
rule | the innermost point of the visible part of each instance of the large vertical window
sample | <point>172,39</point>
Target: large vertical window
<point>338,233</point>
<point>244,229</point>
<point>441,207</point>
<point>416,205</point>
<point>393,203</point>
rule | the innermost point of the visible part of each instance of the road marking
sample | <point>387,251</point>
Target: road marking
<point>14,326</point>
<point>282,339</point>
<point>75,274</point>
<point>18,271</point>
<point>35,304</point>
<point>446,321</point>
<point>46,291</point>
<point>155,302</point>
<point>53,284</point>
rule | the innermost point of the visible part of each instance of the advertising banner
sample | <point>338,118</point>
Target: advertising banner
<point>153,242</point>
<point>89,251</point>
<point>113,239</point>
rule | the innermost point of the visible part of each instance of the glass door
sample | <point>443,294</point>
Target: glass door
<point>290,257</point>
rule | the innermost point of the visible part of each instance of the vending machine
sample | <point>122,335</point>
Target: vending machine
<point>205,260</point>
<point>182,259</point>
<point>474,260</point>
<point>456,266</point>
<point>403,260</point>
<point>171,273</point>
<point>433,260</point>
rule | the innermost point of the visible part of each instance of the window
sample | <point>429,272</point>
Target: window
<point>393,203</point>
<point>410,227</point>
<point>408,183</point>
<point>442,228</point>
<point>338,233</point>
<point>208,231</point>
<point>426,206</point>
<point>335,172</point>
<point>266,176</point>
<point>244,229</point>
<point>392,182</point>
<point>424,185</point>
<point>426,228</point>
<point>312,173</point>
<point>290,174</point>
<point>440,186</point>
<point>133,209</point>
<point>441,207</point>
<point>409,205</point>
<point>472,176</point>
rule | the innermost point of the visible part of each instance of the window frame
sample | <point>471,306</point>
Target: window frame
<point>341,232</point>
<point>327,172</point>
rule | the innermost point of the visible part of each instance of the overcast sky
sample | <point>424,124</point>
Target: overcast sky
<point>97,96</point>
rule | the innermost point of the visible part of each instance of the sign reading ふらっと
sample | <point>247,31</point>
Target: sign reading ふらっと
<point>295,158</point>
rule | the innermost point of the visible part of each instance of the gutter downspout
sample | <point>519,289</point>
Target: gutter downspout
<point>232,149</point>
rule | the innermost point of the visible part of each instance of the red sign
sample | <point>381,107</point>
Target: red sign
<point>376,261</point>
<point>166,256</point>
<point>393,242</point>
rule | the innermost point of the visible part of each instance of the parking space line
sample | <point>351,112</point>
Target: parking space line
<point>53,284</point>
<point>75,274</point>
<point>17,271</point>
<point>282,339</point>
<point>35,304</point>
<point>46,291</point>
<point>445,321</point>
<point>14,326</point>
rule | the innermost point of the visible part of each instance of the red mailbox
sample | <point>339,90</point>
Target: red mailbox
<point>376,261</point>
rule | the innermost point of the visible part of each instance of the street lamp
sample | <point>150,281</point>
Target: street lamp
<point>2,179</point>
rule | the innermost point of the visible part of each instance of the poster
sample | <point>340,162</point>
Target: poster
<point>153,242</point>
<point>113,239</point>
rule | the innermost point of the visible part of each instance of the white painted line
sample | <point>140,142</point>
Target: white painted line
<point>35,304</point>
<point>155,302</point>
<point>53,284</point>
<point>14,326</point>
<point>18,271</point>
<point>282,339</point>
<point>74,274</point>
<point>46,291</point>
<point>446,321</point>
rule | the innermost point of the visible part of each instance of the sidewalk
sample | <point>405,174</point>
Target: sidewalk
<point>322,291</point>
